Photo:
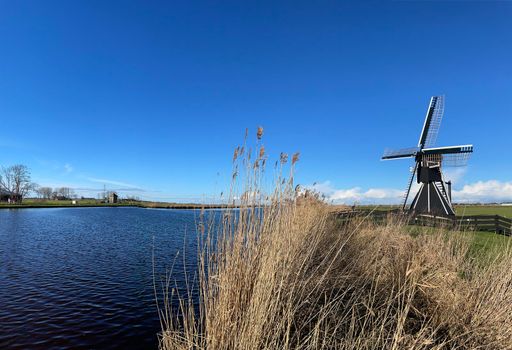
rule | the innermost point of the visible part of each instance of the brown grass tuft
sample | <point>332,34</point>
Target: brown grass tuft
<point>262,152</point>
<point>295,158</point>
<point>282,273</point>
<point>283,158</point>
<point>259,133</point>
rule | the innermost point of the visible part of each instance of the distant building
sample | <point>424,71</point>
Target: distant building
<point>112,197</point>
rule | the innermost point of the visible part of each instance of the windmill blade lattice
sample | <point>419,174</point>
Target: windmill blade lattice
<point>456,160</point>
<point>435,122</point>
<point>400,153</point>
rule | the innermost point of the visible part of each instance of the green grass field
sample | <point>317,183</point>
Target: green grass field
<point>57,203</point>
<point>503,210</point>
<point>488,241</point>
<point>61,202</point>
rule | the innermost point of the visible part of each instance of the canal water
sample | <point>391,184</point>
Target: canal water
<point>82,278</point>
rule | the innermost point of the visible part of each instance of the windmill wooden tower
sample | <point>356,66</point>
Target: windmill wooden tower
<point>434,194</point>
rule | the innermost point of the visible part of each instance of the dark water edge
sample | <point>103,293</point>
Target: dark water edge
<point>82,278</point>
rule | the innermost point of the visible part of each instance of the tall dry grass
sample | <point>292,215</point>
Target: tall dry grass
<point>282,273</point>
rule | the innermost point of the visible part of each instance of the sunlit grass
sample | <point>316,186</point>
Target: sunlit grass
<point>503,210</point>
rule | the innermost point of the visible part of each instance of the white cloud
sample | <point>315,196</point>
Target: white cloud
<point>481,191</point>
<point>484,191</point>
<point>111,182</point>
<point>323,187</point>
<point>454,174</point>
<point>357,195</point>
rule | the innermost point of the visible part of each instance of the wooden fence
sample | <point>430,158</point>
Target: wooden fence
<point>496,223</point>
<point>492,223</point>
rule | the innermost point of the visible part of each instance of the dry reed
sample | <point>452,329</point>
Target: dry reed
<point>282,273</point>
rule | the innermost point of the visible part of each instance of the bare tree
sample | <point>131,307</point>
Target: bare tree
<point>16,180</point>
<point>64,192</point>
<point>45,192</point>
<point>35,189</point>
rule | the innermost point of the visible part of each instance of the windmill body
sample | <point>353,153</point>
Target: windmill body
<point>434,194</point>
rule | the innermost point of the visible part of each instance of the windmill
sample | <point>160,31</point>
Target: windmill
<point>434,194</point>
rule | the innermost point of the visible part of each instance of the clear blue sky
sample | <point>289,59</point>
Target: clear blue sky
<point>154,96</point>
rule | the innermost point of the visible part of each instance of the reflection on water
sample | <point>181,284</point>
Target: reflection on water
<point>82,277</point>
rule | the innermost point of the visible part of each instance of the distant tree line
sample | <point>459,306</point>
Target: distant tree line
<point>60,193</point>
<point>16,183</point>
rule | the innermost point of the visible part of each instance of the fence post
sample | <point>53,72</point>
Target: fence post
<point>496,225</point>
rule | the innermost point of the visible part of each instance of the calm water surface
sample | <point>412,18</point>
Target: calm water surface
<point>81,278</point>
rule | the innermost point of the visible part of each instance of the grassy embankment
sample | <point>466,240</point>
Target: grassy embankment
<point>44,203</point>
<point>291,277</point>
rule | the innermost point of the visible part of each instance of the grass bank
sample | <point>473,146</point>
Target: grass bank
<point>289,276</point>
<point>38,203</point>
<point>460,209</point>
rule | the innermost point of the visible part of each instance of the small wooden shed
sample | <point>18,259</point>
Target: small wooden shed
<point>113,197</point>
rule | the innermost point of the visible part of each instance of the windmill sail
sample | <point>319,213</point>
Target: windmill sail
<point>409,185</point>
<point>400,153</point>
<point>456,159</point>
<point>449,149</point>
<point>432,122</point>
